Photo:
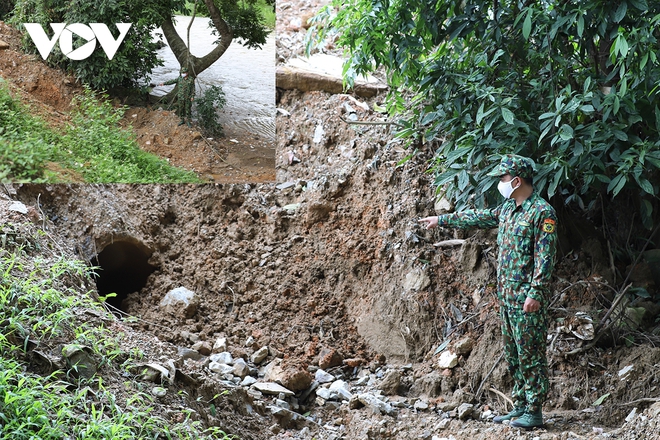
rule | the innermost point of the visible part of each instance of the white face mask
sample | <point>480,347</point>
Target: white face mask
<point>506,188</point>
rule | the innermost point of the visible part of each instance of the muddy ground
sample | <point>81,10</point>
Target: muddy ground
<point>49,92</point>
<point>329,269</point>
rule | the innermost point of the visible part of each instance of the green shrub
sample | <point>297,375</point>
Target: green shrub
<point>207,107</point>
<point>574,85</point>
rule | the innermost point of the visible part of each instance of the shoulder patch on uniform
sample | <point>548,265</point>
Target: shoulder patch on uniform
<point>549,225</point>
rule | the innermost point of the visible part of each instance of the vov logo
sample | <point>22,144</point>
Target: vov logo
<point>64,33</point>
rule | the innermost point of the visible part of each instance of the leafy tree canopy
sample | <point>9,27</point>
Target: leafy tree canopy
<point>572,84</point>
<point>136,56</point>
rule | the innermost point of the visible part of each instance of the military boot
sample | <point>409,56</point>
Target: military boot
<point>528,420</point>
<point>516,412</point>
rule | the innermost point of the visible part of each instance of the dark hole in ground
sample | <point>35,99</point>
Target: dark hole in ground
<point>123,270</point>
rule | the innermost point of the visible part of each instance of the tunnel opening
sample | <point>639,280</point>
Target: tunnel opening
<point>123,268</point>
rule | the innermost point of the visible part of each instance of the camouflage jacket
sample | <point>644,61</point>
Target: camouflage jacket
<point>527,241</point>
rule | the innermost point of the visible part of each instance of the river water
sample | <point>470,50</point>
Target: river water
<point>247,77</point>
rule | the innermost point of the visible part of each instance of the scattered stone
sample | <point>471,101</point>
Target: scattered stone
<point>158,392</point>
<point>465,411</point>
<point>187,353</point>
<point>342,389</point>
<point>354,362</point>
<point>220,368</point>
<point>259,355</point>
<point>222,358</point>
<point>321,376</point>
<point>416,280</point>
<point>391,383</point>
<point>296,379</point>
<point>275,429</point>
<point>329,358</point>
<point>318,134</point>
<point>4,45</point>
<point>241,368</point>
<point>376,405</point>
<point>203,347</point>
<point>282,404</point>
<point>324,393</point>
<point>180,300</point>
<point>464,346</point>
<point>249,380</point>
<point>447,360</point>
<point>442,424</point>
<point>17,206</point>
<point>273,389</point>
<point>421,405</point>
<point>220,345</point>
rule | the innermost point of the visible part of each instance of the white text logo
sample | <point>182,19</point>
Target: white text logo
<point>64,33</point>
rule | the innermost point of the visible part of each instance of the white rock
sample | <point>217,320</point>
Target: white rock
<point>318,134</point>
<point>325,394</point>
<point>447,360</point>
<point>18,207</point>
<point>342,389</point>
<point>272,388</point>
<point>321,376</point>
<point>375,404</point>
<point>158,392</point>
<point>249,380</point>
<point>259,355</point>
<point>222,358</point>
<point>220,345</point>
<point>220,368</point>
<point>181,299</point>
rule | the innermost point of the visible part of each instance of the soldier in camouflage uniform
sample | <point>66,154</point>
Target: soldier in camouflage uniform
<point>527,245</point>
<point>185,95</point>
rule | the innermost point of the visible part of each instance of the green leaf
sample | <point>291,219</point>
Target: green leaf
<point>647,214</point>
<point>646,186</point>
<point>580,25</point>
<point>620,12</point>
<point>527,25</point>
<point>601,399</point>
<point>620,135</point>
<point>566,132</point>
<point>480,113</point>
<point>507,115</point>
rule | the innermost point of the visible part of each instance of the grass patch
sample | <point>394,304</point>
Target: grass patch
<point>40,309</point>
<point>93,146</point>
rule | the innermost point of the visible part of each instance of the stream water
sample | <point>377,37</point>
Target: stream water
<point>247,77</point>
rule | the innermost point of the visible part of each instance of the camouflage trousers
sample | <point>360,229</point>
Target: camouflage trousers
<point>525,340</point>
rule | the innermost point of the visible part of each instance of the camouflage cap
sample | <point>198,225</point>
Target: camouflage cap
<point>515,166</point>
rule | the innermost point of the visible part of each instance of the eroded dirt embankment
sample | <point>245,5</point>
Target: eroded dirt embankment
<point>330,268</point>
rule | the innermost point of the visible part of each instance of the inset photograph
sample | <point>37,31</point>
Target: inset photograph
<point>156,92</point>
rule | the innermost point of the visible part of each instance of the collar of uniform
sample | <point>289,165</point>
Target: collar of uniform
<point>526,203</point>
